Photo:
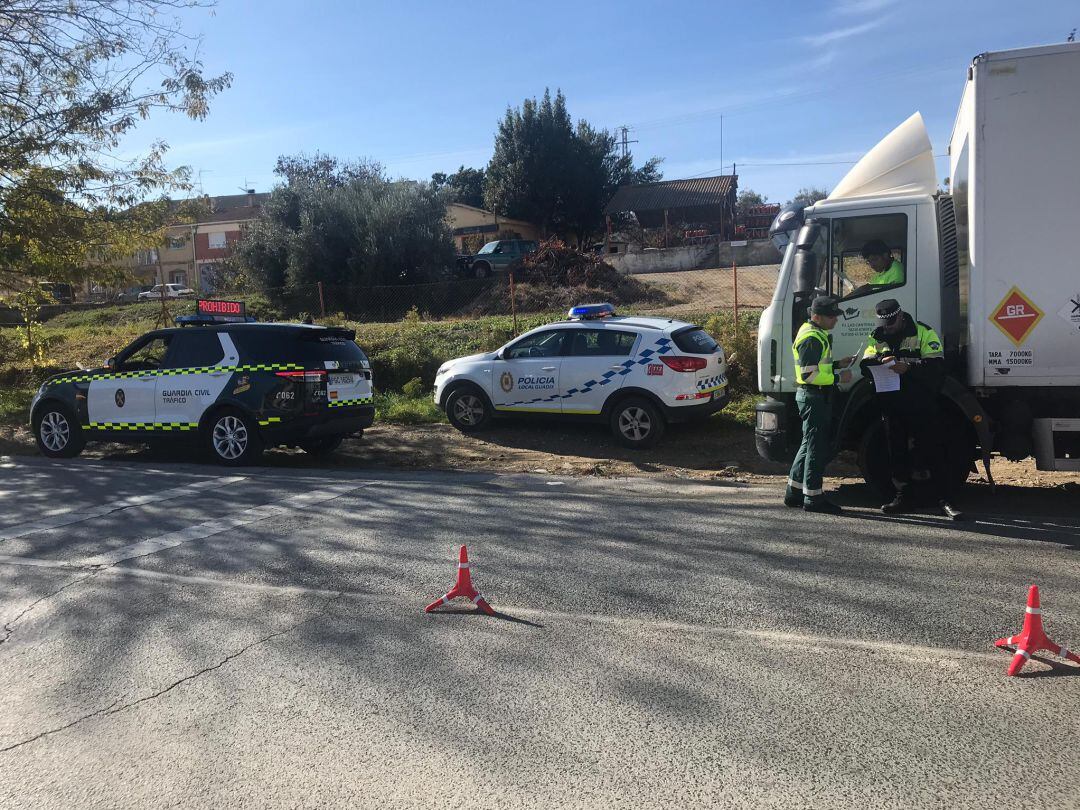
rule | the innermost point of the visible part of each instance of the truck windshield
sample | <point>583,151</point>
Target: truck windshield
<point>489,248</point>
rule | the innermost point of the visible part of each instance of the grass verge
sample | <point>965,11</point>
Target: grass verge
<point>15,405</point>
<point>402,409</point>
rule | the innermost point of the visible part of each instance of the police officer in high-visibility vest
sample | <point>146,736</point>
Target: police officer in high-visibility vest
<point>909,405</point>
<point>815,374</point>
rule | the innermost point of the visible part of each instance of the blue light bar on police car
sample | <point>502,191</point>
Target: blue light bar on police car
<point>588,312</point>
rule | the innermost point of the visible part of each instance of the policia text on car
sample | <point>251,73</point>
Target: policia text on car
<point>816,377</point>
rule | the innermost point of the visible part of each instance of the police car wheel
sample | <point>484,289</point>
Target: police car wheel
<point>467,409</point>
<point>57,434</point>
<point>637,422</point>
<point>321,447</point>
<point>233,439</point>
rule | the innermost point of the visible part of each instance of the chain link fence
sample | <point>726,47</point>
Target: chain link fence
<point>718,289</point>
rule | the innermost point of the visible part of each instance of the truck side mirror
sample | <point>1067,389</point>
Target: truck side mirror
<point>110,363</point>
<point>806,269</point>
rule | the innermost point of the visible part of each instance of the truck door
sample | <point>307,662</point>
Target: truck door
<point>871,258</point>
<point>526,378</point>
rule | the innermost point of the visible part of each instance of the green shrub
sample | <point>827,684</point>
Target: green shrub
<point>403,409</point>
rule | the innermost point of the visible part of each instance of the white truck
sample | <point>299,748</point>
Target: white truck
<point>993,266</point>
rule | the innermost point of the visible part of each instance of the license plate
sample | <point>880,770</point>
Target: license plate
<point>342,379</point>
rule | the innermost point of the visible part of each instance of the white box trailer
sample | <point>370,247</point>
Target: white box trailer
<point>993,266</point>
<point>1015,170</point>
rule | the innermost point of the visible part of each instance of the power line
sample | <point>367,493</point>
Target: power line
<point>773,99</point>
<point>720,171</point>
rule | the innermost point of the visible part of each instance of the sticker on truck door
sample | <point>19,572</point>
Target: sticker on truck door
<point>1016,316</point>
<point>1071,311</point>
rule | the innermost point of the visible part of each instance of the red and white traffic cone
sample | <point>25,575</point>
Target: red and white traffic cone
<point>1032,638</point>
<point>463,587</point>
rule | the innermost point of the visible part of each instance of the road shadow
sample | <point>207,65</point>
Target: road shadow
<point>1050,514</point>
<point>1057,669</point>
<point>498,614</point>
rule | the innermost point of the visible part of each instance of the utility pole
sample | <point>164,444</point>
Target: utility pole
<point>624,144</point>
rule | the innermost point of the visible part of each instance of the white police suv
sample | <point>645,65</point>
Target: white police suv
<point>234,387</point>
<point>637,374</point>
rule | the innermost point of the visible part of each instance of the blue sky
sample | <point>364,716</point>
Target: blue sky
<point>420,86</point>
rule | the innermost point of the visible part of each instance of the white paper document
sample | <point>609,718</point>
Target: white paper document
<point>885,379</point>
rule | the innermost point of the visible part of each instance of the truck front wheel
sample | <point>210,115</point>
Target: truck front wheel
<point>959,450</point>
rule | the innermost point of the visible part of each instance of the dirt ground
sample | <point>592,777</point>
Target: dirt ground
<point>718,450</point>
<point>714,288</point>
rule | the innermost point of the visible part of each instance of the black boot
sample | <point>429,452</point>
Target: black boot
<point>950,511</point>
<point>823,506</point>
<point>793,497</point>
<point>898,504</point>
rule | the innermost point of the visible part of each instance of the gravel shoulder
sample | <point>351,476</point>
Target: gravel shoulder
<point>718,449</point>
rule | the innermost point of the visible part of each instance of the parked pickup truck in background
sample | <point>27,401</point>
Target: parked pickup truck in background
<point>498,255</point>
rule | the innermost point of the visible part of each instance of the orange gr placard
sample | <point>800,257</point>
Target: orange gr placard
<point>1016,316</point>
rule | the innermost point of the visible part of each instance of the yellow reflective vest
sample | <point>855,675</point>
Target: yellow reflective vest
<point>813,356</point>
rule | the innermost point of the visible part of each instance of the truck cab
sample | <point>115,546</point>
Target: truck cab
<point>985,266</point>
<point>828,255</point>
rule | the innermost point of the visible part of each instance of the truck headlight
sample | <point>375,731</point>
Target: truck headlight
<point>767,421</point>
<point>445,367</point>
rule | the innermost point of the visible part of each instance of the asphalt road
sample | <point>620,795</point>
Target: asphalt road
<point>180,635</point>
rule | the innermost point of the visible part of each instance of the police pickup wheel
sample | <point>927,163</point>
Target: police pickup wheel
<point>637,423</point>
<point>467,409</point>
<point>57,434</point>
<point>233,438</point>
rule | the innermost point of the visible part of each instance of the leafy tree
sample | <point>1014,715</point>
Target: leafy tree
<point>347,224</point>
<point>463,186</point>
<point>746,200</point>
<point>809,195</point>
<point>548,171</point>
<point>78,75</point>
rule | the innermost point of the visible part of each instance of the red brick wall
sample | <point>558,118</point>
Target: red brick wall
<point>202,245</point>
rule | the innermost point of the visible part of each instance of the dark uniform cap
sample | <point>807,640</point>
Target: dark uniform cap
<point>887,309</point>
<point>825,305</point>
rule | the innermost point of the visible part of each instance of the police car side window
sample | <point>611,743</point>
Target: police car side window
<point>601,343</point>
<point>148,356</point>
<point>542,344</point>
<point>194,349</point>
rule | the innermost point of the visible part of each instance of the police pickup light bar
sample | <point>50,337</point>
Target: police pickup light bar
<point>211,312</point>
<point>590,312</point>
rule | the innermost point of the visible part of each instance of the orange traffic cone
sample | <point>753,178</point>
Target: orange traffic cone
<point>1032,638</point>
<point>463,587</point>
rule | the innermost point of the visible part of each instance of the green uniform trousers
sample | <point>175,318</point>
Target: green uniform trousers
<point>815,409</point>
